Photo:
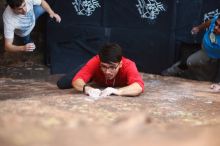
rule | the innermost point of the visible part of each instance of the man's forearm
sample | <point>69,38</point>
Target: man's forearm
<point>47,8</point>
<point>204,25</point>
<point>51,13</point>
<point>78,84</point>
<point>14,48</point>
<point>10,47</point>
<point>131,90</point>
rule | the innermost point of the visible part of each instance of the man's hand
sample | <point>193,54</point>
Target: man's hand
<point>56,17</point>
<point>109,91</point>
<point>94,93</point>
<point>51,13</point>
<point>195,30</point>
<point>29,47</point>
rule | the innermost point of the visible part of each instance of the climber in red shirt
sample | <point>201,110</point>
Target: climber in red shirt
<point>109,69</point>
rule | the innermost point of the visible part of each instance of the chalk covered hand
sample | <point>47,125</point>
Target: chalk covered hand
<point>109,91</point>
<point>94,93</point>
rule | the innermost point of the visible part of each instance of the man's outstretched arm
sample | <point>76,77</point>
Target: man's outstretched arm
<point>131,90</point>
<point>200,27</point>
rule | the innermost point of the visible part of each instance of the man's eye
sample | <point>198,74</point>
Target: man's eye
<point>112,67</point>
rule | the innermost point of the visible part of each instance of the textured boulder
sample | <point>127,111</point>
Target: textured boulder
<point>171,111</point>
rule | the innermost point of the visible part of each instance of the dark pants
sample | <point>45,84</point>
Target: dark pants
<point>22,40</point>
<point>202,66</point>
<point>65,82</point>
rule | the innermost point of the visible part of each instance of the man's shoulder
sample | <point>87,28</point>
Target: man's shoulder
<point>128,64</point>
<point>7,14</point>
<point>95,59</point>
<point>127,60</point>
<point>7,11</point>
<point>30,1</point>
<point>33,2</point>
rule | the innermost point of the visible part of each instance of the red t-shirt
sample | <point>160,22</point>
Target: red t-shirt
<point>126,75</point>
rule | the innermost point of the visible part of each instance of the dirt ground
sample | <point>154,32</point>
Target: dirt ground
<point>171,111</point>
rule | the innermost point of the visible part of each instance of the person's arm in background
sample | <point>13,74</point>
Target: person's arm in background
<point>200,27</point>
<point>51,13</point>
<point>10,47</point>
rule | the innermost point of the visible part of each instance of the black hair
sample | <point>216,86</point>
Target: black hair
<point>14,3</point>
<point>110,53</point>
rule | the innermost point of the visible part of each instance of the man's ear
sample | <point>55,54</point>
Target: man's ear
<point>120,65</point>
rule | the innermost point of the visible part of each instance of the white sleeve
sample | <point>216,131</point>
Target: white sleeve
<point>8,32</point>
<point>8,29</point>
<point>36,2</point>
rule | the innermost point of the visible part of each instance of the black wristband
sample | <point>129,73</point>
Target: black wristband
<point>84,86</point>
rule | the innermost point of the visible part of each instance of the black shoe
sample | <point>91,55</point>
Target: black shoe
<point>174,70</point>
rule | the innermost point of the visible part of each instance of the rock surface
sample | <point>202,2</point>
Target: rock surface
<point>171,112</point>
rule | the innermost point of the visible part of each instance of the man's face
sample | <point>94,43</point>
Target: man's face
<point>21,9</point>
<point>217,27</point>
<point>110,70</point>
